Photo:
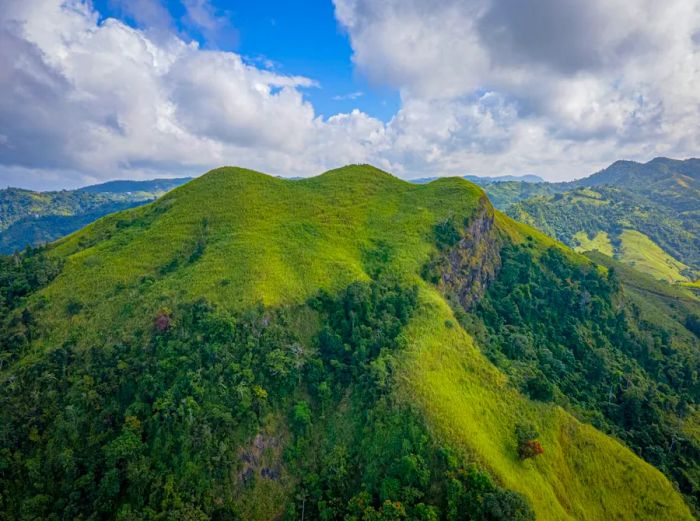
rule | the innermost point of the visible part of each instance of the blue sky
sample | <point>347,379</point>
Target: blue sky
<point>296,38</point>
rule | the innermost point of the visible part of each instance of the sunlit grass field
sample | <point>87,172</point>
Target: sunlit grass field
<point>645,255</point>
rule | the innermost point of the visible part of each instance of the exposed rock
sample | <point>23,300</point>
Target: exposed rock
<point>465,268</point>
<point>261,459</point>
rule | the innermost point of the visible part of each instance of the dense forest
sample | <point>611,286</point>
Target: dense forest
<point>151,429</point>
<point>568,334</point>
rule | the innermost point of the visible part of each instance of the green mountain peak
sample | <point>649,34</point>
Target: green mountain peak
<point>230,349</point>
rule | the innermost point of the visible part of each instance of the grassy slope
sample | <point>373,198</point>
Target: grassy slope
<point>279,242</point>
<point>269,240</point>
<point>642,226</point>
<point>659,299</point>
<point>600,242</point>
<point>583,474</point>
<point>639,251</point>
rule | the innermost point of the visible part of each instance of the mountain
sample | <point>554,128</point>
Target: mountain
<point>653,237</point>
<point>33,218</point>
<point>484,180</point>
<point>348,346</point>
<point>646,215</point>
<point>504,194</point>
<point>41,229</point>
<point>672,182</point>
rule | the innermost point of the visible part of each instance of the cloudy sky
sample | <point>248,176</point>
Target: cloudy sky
<point>91,91</point>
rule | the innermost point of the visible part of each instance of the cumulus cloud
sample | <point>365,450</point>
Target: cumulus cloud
<point>591,81</point>
<point>554,87</point>
<point>88,100</point>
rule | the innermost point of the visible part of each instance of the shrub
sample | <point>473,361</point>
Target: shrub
<point>528,445</point>
<point>539,388</point>
<point>446,233</point>
<point>163,321</point>
<point>692,323</point>
<point>301,416</point>
<point>73,307</point>
<point>506,505</point>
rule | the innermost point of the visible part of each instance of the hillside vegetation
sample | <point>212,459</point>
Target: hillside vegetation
<point>29,218</point>
<point>656,239</point>
<point>645,215</point>
<point>338,347</point>
<point>670,182</point>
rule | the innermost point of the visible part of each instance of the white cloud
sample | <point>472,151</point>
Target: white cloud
<point>554,87</point>
<point>591,81</point>
<point>349,96</point>
<point>97,101</point>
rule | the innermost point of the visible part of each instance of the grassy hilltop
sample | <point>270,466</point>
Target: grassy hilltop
<point>231,351</point>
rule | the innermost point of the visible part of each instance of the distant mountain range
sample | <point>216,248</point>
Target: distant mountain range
<point>31,218</point>
<point>153,186</point>
<point>644,214</point>
<point>486,180</point>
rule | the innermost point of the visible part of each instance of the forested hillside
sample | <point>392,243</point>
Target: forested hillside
<point>348,346</point>
<point>29,218</point>
<point>645,215</point>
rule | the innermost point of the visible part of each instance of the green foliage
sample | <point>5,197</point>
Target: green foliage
<point>472,495</point>
<point>446,233</point>
<point>348,393</point>
<point>301,417</point>
<point>387,467</point>
<point>374,458</point>
<point>20,276</point>
<point>634,222</point>
<point>30,218</point>
<point>692,322</point>
<point>151,426</point>
<point>528,445</point>
<point>567,330</point>
<point>361,331</point>
<point>23,273</point>
<point>538,387</point>
<point>154,426</point>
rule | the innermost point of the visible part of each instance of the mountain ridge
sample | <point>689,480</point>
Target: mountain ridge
<point>503,190</point>
<point>645,214</point>
<point>244,241</point>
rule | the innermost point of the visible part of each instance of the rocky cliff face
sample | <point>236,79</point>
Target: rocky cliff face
<point>467,263</point>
